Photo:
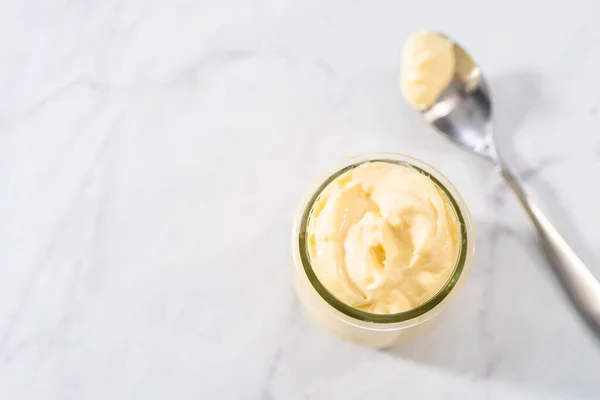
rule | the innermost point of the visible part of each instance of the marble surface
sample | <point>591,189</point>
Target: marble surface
<point>152,155</point>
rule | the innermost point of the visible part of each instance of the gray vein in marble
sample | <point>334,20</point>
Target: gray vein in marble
<point>214,58</point>
<point>525,175</point>
<point>28,289</point>
<point>487,335</point>
<point>53,96</point>
<point>62,90</point>
<point>133,23</point>
<point>324,66</point>
<point>319,63</point>
<point>267,394</point>
<point>275,361</point>
<point>530,173</point>
<point>34,273</point>
<point>219,58</point>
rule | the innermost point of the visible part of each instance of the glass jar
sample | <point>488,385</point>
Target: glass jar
<point>378,330</point>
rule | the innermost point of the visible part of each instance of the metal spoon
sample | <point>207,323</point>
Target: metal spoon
<point>463,113</point>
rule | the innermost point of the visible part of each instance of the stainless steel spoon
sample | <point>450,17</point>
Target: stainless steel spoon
<point>463,113</point>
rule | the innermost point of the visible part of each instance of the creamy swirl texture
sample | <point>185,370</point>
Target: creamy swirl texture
<point>428,64</point>
<point>383,238</point>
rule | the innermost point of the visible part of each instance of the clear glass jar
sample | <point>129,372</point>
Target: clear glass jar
<point>378,330</point>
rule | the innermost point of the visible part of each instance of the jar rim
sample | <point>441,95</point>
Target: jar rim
<point>456,201</point>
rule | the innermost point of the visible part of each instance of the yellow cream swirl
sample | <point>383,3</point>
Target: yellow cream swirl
<point>428,64</point>
<point>383,238</point>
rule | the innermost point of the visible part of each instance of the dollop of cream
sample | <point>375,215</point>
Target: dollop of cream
<point>383,238</point>
<point>427,67</point>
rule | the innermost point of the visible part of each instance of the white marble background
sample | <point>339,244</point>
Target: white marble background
<point>152,154</point>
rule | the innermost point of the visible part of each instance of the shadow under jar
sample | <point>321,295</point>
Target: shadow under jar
<point>358,325</point>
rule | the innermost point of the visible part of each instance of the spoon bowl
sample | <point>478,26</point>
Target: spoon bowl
<point>463,111</point>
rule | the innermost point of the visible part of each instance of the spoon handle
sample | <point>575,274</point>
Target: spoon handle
<point>580,284</point>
